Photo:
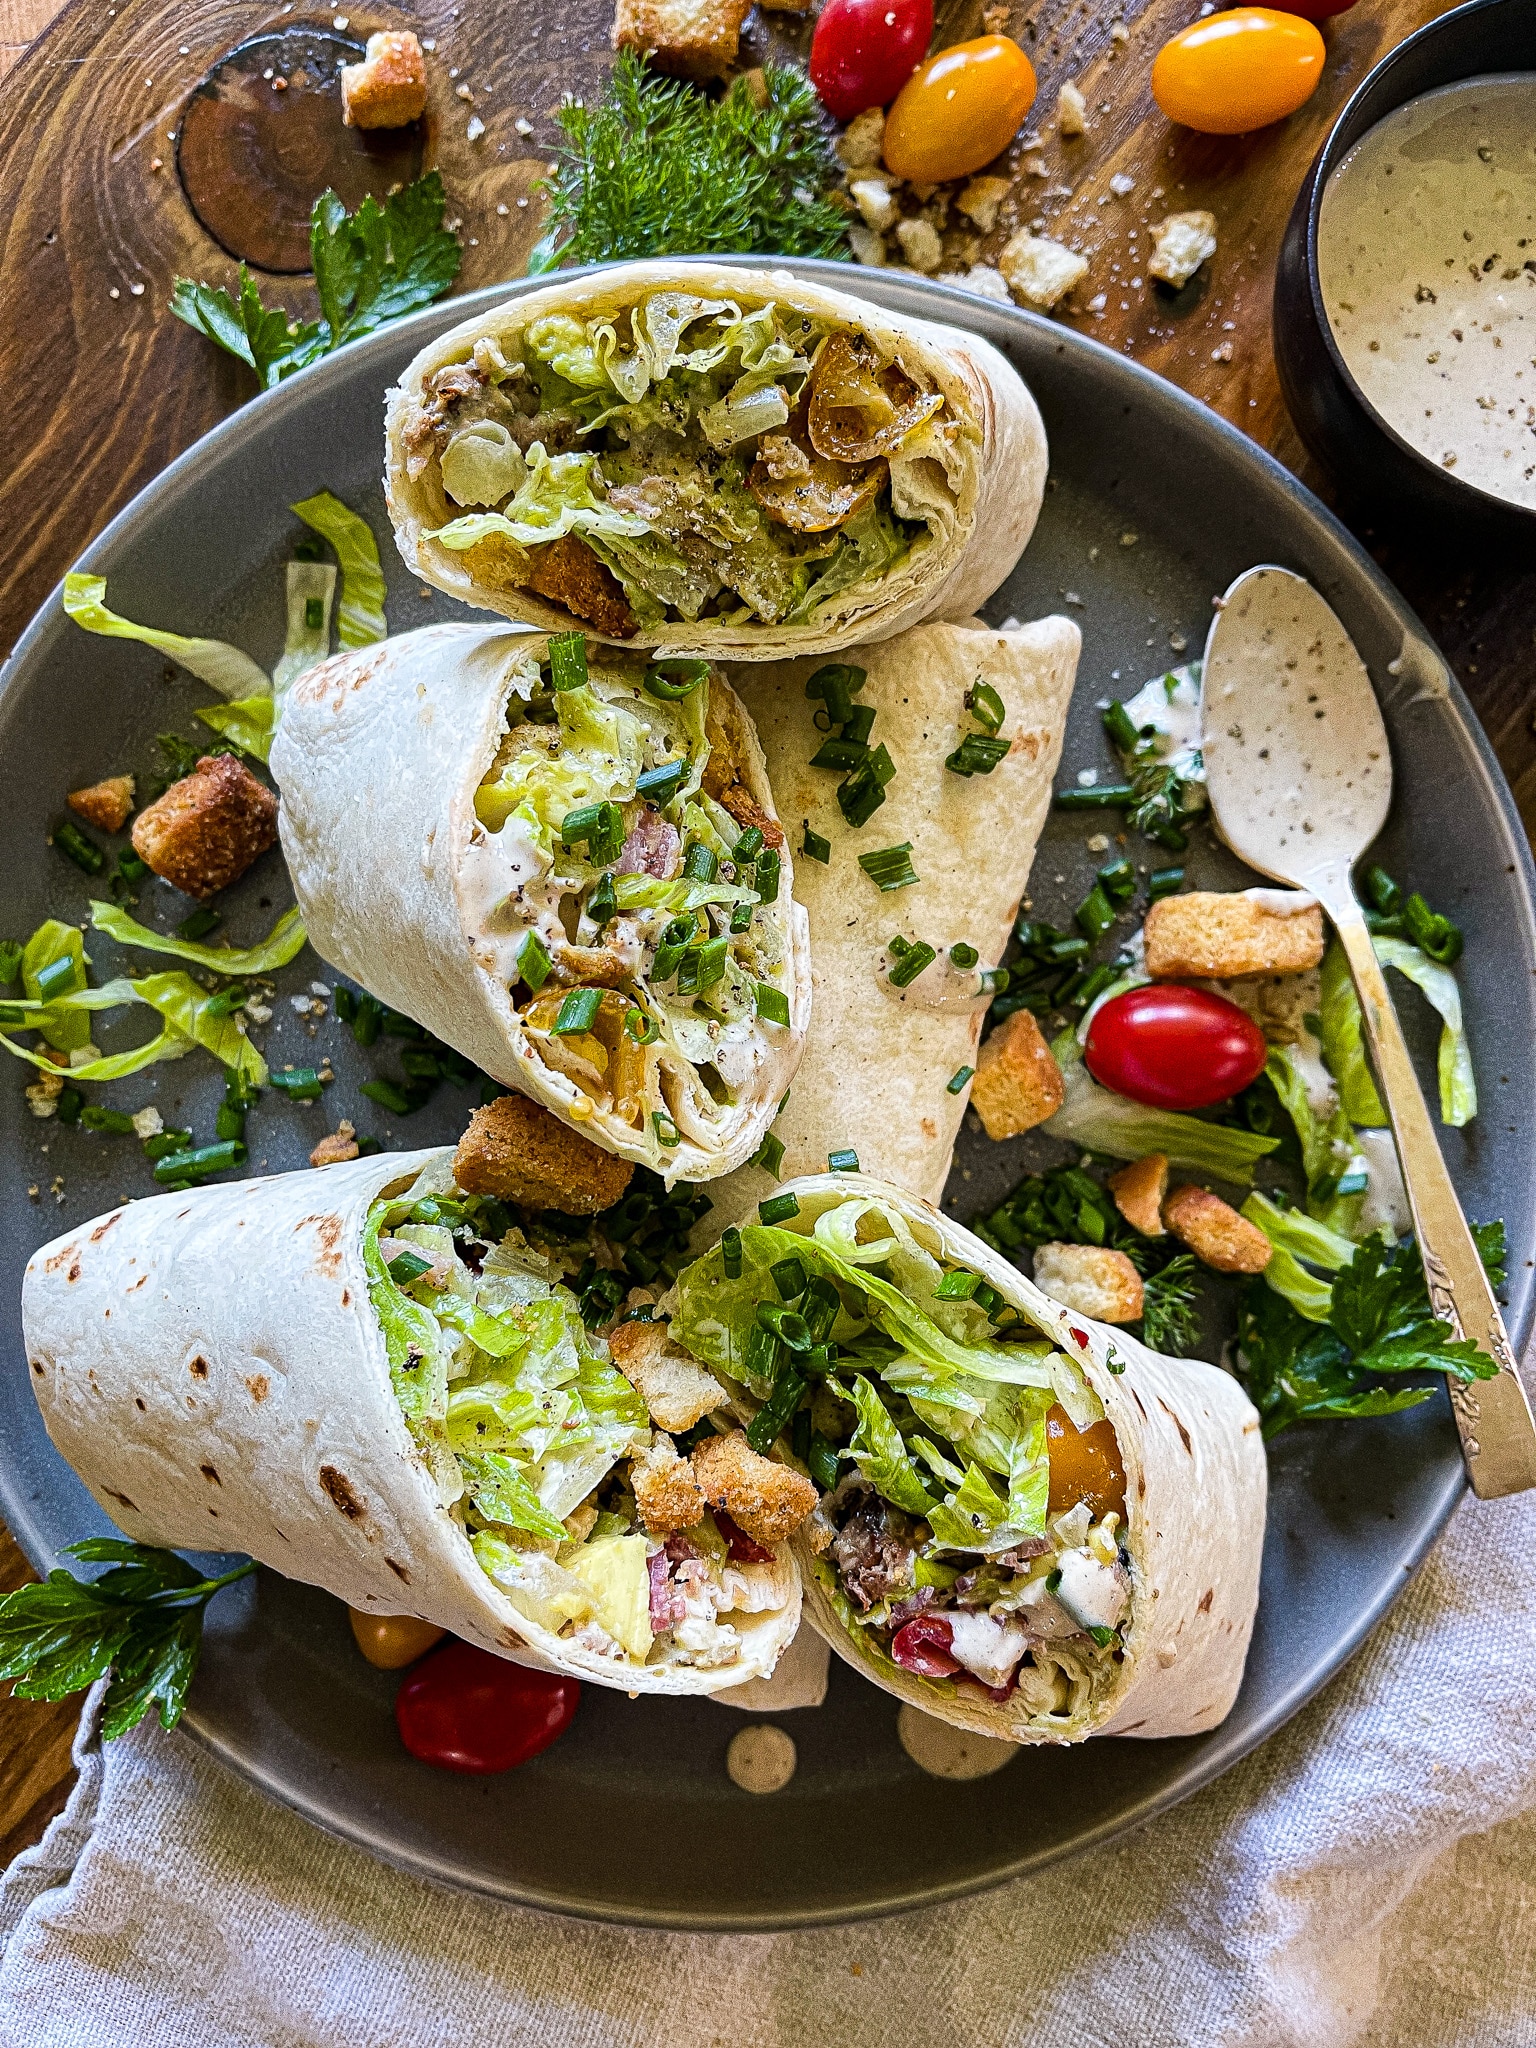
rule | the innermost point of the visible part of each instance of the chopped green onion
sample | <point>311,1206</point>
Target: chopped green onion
<point>712,955</point>
<point>822,1461</point>
<point>533,967</point>
<point>957,1287</point>
<point>836,683</point>
<point>1095,913</point>
<point>789,1278</point>
<point>1099,796</point>
<point>1095,983</point>
<point>777,1412</point>
<point>182,1168</point>
<point>665,1129</point>
<point>1059,951</point>
<point>130,867</point>
<point>864,791</point>
<point>821,1307</point>
<point>568,661</point>
<point>748,846</point>
<point>69,1106</point>
<point>891,868</point>
<point>957,1080</point>
<point>770,1156</point>
<point>200,923</point>
<point>700,863</point>
<point>95,1118</point>
<point>370,1018</point>
<point>977,754</point>
<point>766,880</point>
<point>995,979</point>
<point>859,727</point>
<point>659,785</point>
<point>1431,933</point>
<point>964,955</point>
<point>916,960</point>
<point>81,849</point>
<point>675,676</point>
<point>56,979</point>
<point>421,1065</point>
<point>598,826</point>
<point>300,1084</point>
<point>1117,878</point>
<point>1123,735</point>
<point>842,1162</point>
<point>741,918</point>
<point>789,1327</point>
<point>730,1252</point>
<point>407,1266</point>
<point>642,1028</point>
<point>388,1096</point>
<point>1385,894</point>
<point>772,1003</point>
<point>578,1012</point>
<point>840,754</point>
<point>163,1143</point>
<point>314,614</point>
<point>307,550</point>
<point>602,904</point>
<point>1164,882</point>
<point>814,847</point>
<point>10,961</point>
<point>985,705</point>
<point>778,1208</point>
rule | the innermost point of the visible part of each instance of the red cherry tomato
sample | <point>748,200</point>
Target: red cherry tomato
<point>1174,1047</point>
<point>864,51</point>
<point>923,1646</point>
<point>1237,71</point>
<point>465,1710</point>
<point>959,110</point>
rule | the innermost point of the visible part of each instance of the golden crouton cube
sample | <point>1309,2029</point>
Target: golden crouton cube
<point>519,1152</point>
<point>1018,1084</point>
<point>695,39</point>
<point>1208,936</point>
<point>1215,1232</point>
<point>1138,1190</point>
<point>105,804</point>
<point>389,88</point>
<point>666,1492</point>
<point>1090,1279</point>
<point>677,1392</point>
<point>207,829</point>
<point>766,1501</point>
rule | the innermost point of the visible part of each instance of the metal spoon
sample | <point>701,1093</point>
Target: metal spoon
<point>1300,781</point>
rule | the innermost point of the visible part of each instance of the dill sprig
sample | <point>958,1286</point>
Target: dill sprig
<point>1170,1322</point>
<point>658,169</point>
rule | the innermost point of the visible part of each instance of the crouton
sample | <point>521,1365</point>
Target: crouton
<point>498,563</point>
<point>1018,1084</point>
<point>519,1152</point>
<point>677,1392</point>
<point>389,88</point>
<point>1138,1190</point>
<point>666,1492</point>
<point>1212,936</point>
<point>1090,1279</point>
<point>1215,1232</point>
<point>1040,271</point>
<point>861,142</point>
<point>105,804</point>
<point>567,572</point>
<point>1071,111</point>
<point>1183,242</point>
<point>208,828</point>
<point>340,1145</point>
<point>980,200</point>
<point>695,39</point>
<point>766,1501</point>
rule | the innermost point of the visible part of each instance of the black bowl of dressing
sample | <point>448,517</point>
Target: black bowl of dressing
<point>1405,293</point>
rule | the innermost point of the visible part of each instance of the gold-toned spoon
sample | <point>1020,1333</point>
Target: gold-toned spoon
<point>1300,781</point>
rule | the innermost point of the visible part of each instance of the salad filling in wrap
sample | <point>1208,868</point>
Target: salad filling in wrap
<point>727,460</point>
<point>570,870</point>
<point>378,1381</point>
<point>1028,1525</point>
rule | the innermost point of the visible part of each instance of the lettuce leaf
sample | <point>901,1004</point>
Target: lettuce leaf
<point>1458,1084</point>
<point>1342,1033</point>
<point>557,498</point>
<point>1326,1146</point>
<point>214,662</point>
<point>1097,1120</point>
<point>413,1342</point>
<point>878,1451</point>
<point>283,943</point>
<point>50,943</point>
<point>247,724</point>
<point>175,996</point>
<point>306,645</point>
<point>361,619</point>
<point>501,1492</point>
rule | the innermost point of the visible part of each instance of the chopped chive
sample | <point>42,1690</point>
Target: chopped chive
<point>814,847</point>
<point>840,754</point>
<point>69,1106</point>
<point>1095,913</point>
<point>858,728</point>
<point>1385,894</point>
<point>578,1011</point>
<point>366,1147</point>
<point>95,1118</point>
<point>1164,882</point>
<point>1117,878</point>
<point>916,960</point>
<point>81,849</point>
<point>843,1162</point>
<point>1061,950</point>
<point>741,918</point>
<point>956,1083</point>
<point>659,785</point>
<point>602,904</point>
<point>675,676</point>
<point>730,1253</point>
<point>346,1004</point>
<point>836,683</point>
<point>778,1208</point>
<point>200,923</point>
<point>700,863</point>
<point>314,613</point>
<point>568,661</point>
<point>1353,1184</point>
<point>1431,933</point>
<point>395,1024</point>
<point>822,1461</point>
<point>642,1028</point>
<point>864,791</point>
<point>421,1065</point>
<point>388,1096</point>
<point>182,1168</point>
<point>790,1329</point>
<point>1101,1635</point>
<point>764,1354</point>
<point>712,957</point>
<point>164,1143</point>
<point>1053,1580</point>
<point>226,1002</point>
<point>10,962</point>
<point>667,959</point>
<point>985,705</point>
<point>770,1155</point>
<point>987,1297</point>
<point>665,1129</point>
<point>766,879</point>
<point>533,966</point>
<point>1123,735</point>
<point>229,1122</point>
<point>600,827</point>
<point>890,868</point>
<point>1096,982</point>
<point>407,1266</point>
<point>977,754</point>
<point>748,846</point>
<point>1100,796</point>
<point>130,867</point>
<point>789,1278</point>
<point>308,550</point>
<point>772,1004</point>
<point>964,955</point>
<point>56,979</point>
<point>300,1084</point>
<point>898,945</point>
<point>369,1019</point>
<point>957,1287</point>
<point>820,1307</point>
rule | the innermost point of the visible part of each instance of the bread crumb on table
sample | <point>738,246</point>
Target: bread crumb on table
<point>1182,243</point>
<point>1039,271</point>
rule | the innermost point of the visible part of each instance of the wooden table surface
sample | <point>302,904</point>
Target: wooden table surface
<point>93,227</point>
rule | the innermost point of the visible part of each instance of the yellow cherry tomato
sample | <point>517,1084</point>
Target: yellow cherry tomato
<point>1238,71</point>
<point>959,110</point>
<point>391,1641</point>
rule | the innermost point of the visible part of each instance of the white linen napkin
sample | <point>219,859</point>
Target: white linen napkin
<point>1368,1877</point>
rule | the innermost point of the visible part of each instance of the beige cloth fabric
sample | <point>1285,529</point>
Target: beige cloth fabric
<point>1366,1880</point>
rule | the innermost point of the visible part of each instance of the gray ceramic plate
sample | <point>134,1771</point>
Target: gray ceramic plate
<point>632,1817</point>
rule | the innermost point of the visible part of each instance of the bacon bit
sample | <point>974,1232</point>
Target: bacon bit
<point>681,1551</point>
<point>743,1550</point>
<point>667,1605</point>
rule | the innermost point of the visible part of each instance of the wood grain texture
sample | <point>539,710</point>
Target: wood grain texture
<point>115,388</point>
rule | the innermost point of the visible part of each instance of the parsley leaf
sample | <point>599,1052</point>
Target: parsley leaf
<point>142,1620</point>
<point>259,335</point>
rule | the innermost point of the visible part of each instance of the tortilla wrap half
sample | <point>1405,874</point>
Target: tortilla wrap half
<point>875,1074</point>
<point>381,757</point>
<point>1195,1484</point>
<point>969,480</point>
<point>212,1365</point>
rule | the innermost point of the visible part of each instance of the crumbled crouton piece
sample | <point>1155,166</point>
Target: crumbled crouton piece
<point>208,828</point>
<point>341,1144</point>
<point>1071,111</point>
<point>1183,242</point>
<point>677,1392</point>
<point>43,1095</point>
<point>1215,1232</point>
<point>695,39</point>
<point>567,572</point>
<point>389,88</point>
<point>1018,1084</point>
<point>982,279</point>
<point>876,202</point>
<point>920,244</point>
<point>1212,936</point>
<point>1091,1280</point>
<point>105,804</point>
<point>1138,1190</point>
<point>786,6</point>
<point>518,1152</point>
<point>1039,271</point>
<point>666,1492</point>
<point>980,200</point>
<point>766,1501</point>
<point>868,247</point>
<point>862,141</point>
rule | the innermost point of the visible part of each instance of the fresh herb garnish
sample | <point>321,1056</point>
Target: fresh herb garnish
<point>891,868</point>
<point>1170,1322</point>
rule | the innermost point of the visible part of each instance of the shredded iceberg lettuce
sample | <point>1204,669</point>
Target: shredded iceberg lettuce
<point>1458,1084</point>
<point>311,593</point>
<point>361,619</point>
<point>214,662</point>
<point>248,723</point>
<point>1098,1120</point>
<point>283,943</point>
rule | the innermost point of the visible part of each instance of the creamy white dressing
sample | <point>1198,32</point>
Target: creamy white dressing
<point>941,985</point>
<point>1281,902</point>
<point>1386,1199</point>
<point>1170,704</point>
<point>1426,253</point>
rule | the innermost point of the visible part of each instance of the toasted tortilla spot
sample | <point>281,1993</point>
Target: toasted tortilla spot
<point>346,1297</point>
<point>1206,1598</point>
<point>141,1404</point>
<point>60,1258</point>
<point>199,1368</point>
<point>38,1367</point>
<point>511,1640</point>
<point>105,1225</point>
<point>73,1274</point>
<point>1183,1432</point>
<point>399,1571</point>
<point>122,1500</point>
<point>339,1488</point>
<point>258,1386</point>
<point>1137,1399</point>
<point>210,1473</point>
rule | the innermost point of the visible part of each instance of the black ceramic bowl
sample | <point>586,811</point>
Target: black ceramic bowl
<point>1367,457</point>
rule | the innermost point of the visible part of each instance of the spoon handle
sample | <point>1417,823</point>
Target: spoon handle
<point>1498,1435</point>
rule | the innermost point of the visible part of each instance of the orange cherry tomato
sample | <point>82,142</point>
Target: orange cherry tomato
<point>1085,1465</point>
<point>1238,71</point>
<point>391,1641</point>
<point>959,110</point>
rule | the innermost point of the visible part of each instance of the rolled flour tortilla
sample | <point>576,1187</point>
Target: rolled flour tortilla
<point>668,383</point>
<point>1153,1539</point>
<point>425,783</point>
<point>877,1063</point>
<point>215,1367</point>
